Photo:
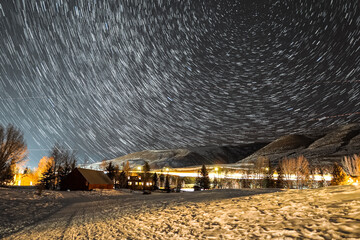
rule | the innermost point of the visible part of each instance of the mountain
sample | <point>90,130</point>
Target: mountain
<point>186,157</point>
<point>320,149</point>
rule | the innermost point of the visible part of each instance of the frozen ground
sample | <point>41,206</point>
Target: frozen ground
<point>326,213</point>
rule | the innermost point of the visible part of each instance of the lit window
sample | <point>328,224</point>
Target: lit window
<point>136,183</point>
<point>130,183</point>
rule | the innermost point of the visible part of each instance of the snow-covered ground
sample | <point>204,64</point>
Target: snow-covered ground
<point>326,213</point>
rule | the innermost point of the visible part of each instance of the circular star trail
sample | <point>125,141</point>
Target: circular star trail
<point>107,78</point>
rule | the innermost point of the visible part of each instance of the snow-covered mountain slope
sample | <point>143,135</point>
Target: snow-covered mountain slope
<point>186,157</point>
<point>324,148</point>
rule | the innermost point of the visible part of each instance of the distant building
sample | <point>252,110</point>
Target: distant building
<point>86,179</point>
<point>136,183</point>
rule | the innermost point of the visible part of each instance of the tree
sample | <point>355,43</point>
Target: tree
<point>111,171</point>
<point>167,183</point>
<point>123,180</point>
<point>261,169</point>
<point>161,180</point>
<point>8,174</point>
<point>280,179</point>
<point>215,182</point>
<point>126,168</point>
<point>48,176</point>
<point>155,181</point>
<point>269,181</point>
<point>178,183</point>
<point>339,176</point>
<point>351,165</point>
<point>146,169</point>
<point>204,180</point>
<point>13,150</point>
<point>64,161</point>
<point>299,167</point>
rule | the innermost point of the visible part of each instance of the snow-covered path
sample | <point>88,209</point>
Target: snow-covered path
<point>327,213</point>
<point>87,216</point>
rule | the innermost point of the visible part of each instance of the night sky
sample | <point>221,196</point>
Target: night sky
<point>107,79</point>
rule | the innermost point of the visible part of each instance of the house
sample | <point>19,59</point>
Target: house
<point>86,179</point>
<point>136,183</point>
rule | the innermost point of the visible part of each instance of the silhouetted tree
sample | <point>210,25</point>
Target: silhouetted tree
<point>146,169</point>
<point>204,180</point>
<point>339,177</point>
<point>155,181</point>
<point>178,183</point>
<point>13,150</point>
<point>123,180</point>
<point>48,176</point>
<point>167,183</point>
<point>63,162</point>
<point>162,180</point>
<point>8,174</point>
<point>111,171</point>
<point>280,179</point>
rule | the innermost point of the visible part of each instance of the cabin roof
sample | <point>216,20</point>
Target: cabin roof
<point>95,177</point>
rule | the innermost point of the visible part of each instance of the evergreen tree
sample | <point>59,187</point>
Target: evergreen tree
<point>155,181</point>
<point>111,171</point>
<point>167,183</point>
<point>204,181</point>
<point>178,183</point>
<point>339,176</point>
<point>48,176</point>
<point>280,179</point>
<point>146,169</point>
<point>161,179</point>
<point>123,180</point>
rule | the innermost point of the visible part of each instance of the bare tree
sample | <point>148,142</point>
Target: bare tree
<point>64,161</point>
<point>351,165</point>
<point>287,167</point>
<point>261,169</point>
<point>13,150</point>
<point>126,168</point>
<point>295,169</point>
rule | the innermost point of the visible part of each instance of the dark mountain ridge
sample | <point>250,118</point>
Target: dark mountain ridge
<point>319,149</point>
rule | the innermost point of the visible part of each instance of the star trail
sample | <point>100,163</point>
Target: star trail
<point>107,78</point>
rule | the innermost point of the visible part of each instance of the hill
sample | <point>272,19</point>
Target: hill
<point>321,149</point>
<point>186,157</point>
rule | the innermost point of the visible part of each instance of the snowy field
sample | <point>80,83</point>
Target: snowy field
<point>326,213</point>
